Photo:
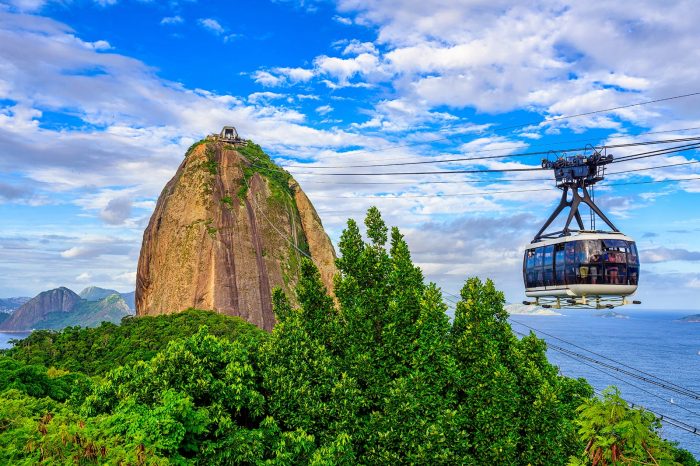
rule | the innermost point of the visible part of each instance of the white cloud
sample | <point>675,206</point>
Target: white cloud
<point>324,109</point>
<point>126,279</point>
<point>497,144</point>
<point>355,47</point>
<point>171,20</point>
<point>117,211</point>
<point>85,277</point>
<point>342,20</point>
<point>342,69</point>
<point>99,45</point>
<point>211,25</point>
<point>295,75</point>
<point>267,79</point>
<point>282,76</point>
<point>257,97</point>
<point>497,55</point>
<point>95,247</point>
<point>28,5</point>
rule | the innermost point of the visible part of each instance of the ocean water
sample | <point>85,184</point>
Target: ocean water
<point>6,337</point>
<point>652,341</point>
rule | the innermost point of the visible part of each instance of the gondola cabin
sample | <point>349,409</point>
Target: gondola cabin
<point>586,264</point>
<point>579,267</point>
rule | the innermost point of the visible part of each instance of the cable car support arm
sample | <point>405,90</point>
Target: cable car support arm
<point>575,174</point>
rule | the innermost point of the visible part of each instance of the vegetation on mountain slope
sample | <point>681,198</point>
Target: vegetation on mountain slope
<point>379,375</point>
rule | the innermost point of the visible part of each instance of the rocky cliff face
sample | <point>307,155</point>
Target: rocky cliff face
<point>36,309</point>
<point>226,230</point>
<point>59,308</point>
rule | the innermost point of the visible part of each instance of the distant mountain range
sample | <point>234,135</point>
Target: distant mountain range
<point>8,305</point>
<point>693,318</point>
<point>61,307</point>
<point>95,293</point>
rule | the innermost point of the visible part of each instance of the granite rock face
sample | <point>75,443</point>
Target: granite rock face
<point>227,229</point>
<point>36,309</point>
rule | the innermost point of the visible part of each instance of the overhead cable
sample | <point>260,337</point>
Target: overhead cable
<point>500,180</point>
<point>665,151</point>
<point>501,156</point>
<point>489,193</point>
<point>545,121</point>
<point>620,379</point>
<point>599,355</point>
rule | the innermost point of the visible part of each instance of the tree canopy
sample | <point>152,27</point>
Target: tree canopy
<point>376,374</point>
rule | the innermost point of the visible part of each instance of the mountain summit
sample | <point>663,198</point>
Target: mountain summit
<point>61,307</point>
<point>229,227</point>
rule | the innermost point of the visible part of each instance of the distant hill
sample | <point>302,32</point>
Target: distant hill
<point>693,318</point>
<point>130,300</point>
<point>61,307</point>
<point>95,293</point>
<point>8,305</point>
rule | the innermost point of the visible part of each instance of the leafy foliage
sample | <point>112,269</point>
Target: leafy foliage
<point>614,433</point>
<point>211,165</point>
<point>261,163</point>
<point>97,350</point>
<point>376,375</point>
<point>37,381</point>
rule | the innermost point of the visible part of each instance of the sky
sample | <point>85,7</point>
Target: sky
<point>99,101</point>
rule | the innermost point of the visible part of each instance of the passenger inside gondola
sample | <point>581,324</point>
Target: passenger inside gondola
<point>589,262</point>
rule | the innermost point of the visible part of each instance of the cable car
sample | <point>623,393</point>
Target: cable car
<point>580,267</point>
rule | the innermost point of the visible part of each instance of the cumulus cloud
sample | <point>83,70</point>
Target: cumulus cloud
<point>663,254</point>
<point>126,278</point>
<point>93,248</point>
<point>324,109</point>
<point>171,20</point>
<point>85,277</point>
<point>28,5</point>
<point>211,25</point>
<point>134,128</point>
<point>267,79</point>
<point>355,47</point>
<point>282,76</point>
<point>498,55</point>
<point>258,97</point>
<point>342,20</point>
<point>117,211</point>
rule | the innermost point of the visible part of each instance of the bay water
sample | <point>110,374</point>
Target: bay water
<point>655,342</point>
<point>5,338</point>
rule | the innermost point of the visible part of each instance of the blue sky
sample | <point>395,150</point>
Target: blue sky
<point>100,99</point>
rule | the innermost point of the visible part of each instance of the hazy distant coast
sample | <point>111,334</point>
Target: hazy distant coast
<point>529,310</point>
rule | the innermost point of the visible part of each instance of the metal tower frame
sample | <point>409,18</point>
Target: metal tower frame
<point>575,174</point>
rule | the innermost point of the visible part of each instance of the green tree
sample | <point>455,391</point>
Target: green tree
<point>95,351</point>
<point>613,433</point>
<point>376,374</point>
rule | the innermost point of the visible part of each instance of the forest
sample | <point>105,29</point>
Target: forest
<point>375,374</point>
